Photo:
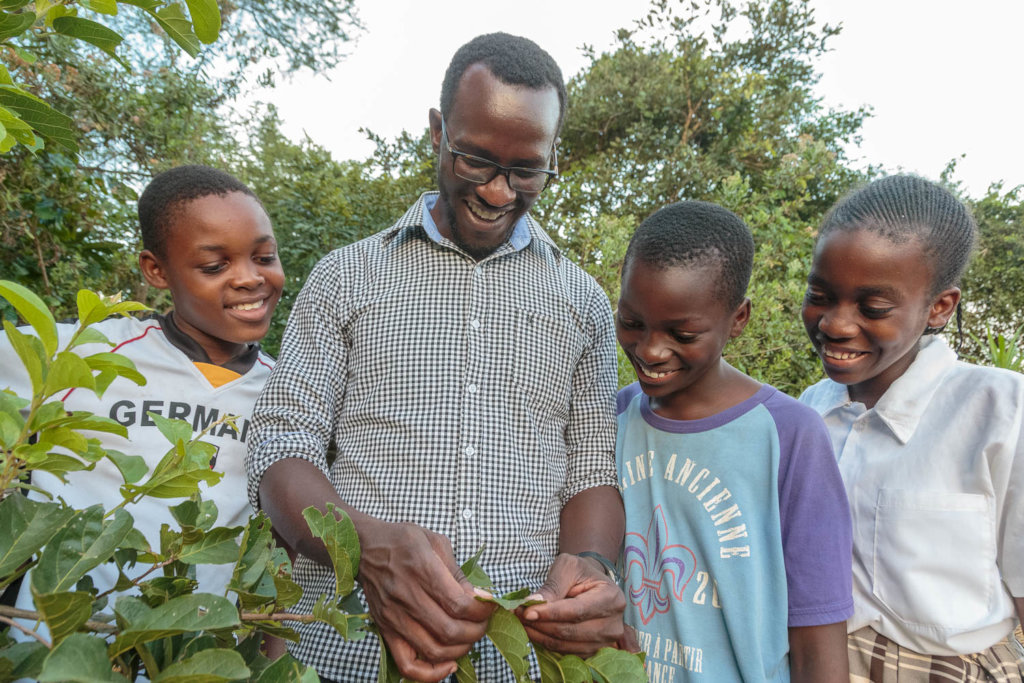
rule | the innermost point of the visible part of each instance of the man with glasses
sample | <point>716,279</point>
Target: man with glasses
<point>465,370</point>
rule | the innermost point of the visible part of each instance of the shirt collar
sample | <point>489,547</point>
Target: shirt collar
<point>525,231</point>
<point>904,402</point>
<point>241,363</point>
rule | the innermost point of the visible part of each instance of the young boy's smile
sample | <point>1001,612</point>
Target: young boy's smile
<point>220,263</point>
<point>672,324</point>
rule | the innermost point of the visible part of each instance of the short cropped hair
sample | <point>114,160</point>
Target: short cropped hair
<point>697,234</point>
<point>904,207</point>
<point>167,193</point>
<point>513,61</point>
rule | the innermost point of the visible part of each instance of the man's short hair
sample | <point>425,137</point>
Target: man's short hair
<point>697,234</point>
<point>512,59</point>
<point>169,191</point>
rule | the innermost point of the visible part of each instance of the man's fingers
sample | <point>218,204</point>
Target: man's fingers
<point>410,666</point>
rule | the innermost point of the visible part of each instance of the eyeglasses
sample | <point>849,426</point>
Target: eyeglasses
<point>482,171</point>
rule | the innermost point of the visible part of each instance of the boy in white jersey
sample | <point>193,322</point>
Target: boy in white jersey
<point>208,240</point>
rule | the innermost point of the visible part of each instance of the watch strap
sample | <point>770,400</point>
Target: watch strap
<point>609,566</point>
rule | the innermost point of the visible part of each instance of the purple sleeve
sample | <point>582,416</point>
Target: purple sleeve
<point>815,516</point>
<point>624,396</point>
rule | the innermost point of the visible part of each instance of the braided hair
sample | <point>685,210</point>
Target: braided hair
<point>693,233</point>
<point>904,207</point>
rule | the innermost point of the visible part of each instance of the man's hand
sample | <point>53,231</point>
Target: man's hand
<point>582,611</point>
<point>426,610</point>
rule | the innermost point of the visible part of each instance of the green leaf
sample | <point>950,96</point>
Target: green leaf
<point>173,430</point>
<point>79,658</point>
<point>13,25</point>
<point>90,308</point>
<point>218,546</point>
<point>217,665</point>
<point>287,669</point>
<point>25,55</point>
<point>11,5</point>
<point>172,20</point>
<point>43,119</point>
<point>29,306</point>
<point>148,5</point>
<point>101,6</point>
<point>81,419</point>
<point>122,366</point>
<point>338,533</point>
<point>131,467</point>
<point>11,424</point>
<point>474,572</point>
<point>387,670</point>
<point>513,600</point>
<point>618,666</point>
<point>205,19</point>
<point>465,673</point>
<point>83,544</point>
<point>196,612</point>
<point>68,371</point>
<point>509,636</point>
<point>556,668</point>
<point>90,31</point>
<point>25,660</point>
<point>65,612</point>
<point>31,353</point>
<point>348,626</point>
<point>17,128</point>
<point>174,484</point>
<point>90,335</point>
<point>66,438</point>
<point>25,527</point>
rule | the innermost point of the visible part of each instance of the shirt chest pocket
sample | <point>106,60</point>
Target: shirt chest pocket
<point>547,353</point>
<point>935,557</point>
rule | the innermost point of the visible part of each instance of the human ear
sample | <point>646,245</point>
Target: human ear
<point>434,118</point>
<point>153,270</point>
<point>741,316</point>
<point>942,307</point>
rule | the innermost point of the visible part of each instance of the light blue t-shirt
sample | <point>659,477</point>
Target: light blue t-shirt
<point>737,528</point>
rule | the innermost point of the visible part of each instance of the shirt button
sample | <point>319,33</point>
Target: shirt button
<point>475,324</point>
<point>471,388</point>
<point>467,513</point>
<point>470,450</point>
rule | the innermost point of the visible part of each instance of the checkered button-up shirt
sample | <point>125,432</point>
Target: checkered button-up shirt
<point>473,398</point>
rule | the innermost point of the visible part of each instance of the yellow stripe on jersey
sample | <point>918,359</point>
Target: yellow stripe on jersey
<point>217,375</point>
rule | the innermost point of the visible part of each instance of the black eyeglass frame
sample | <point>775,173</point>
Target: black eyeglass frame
<point>508,171</point>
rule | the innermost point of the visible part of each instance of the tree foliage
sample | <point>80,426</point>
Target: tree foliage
<point>707,101</point>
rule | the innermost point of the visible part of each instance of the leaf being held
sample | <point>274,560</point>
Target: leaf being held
<point>338,534</point>
<point>509,636</point>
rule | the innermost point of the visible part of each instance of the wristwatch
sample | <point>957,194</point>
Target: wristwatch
<point>609,566</point>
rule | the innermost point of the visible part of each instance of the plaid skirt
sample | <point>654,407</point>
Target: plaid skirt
<point>876,659</point>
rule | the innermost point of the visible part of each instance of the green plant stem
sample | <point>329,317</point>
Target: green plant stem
<point>147,659</point>
<point>8,614</point>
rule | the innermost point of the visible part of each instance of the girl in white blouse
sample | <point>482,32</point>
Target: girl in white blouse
<point>930,448</point>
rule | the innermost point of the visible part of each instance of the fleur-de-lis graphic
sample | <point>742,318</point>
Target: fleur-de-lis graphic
<point>654,569</point>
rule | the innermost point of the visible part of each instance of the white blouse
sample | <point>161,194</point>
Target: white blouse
<point>935,478</point>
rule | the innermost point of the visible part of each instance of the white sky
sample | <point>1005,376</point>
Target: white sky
<point>943,76</point>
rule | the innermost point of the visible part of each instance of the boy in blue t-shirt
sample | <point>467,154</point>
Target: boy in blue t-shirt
<point>738,541</point>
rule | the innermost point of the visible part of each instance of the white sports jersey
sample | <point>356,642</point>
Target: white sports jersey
<point>175,388</point>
